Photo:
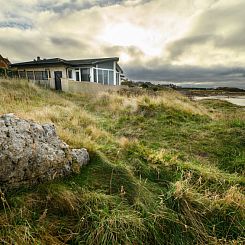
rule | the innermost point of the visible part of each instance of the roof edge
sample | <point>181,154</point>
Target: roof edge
<point>54,61</point>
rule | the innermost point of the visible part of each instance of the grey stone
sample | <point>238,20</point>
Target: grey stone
<point>80,156</point>
<point>31,153</point>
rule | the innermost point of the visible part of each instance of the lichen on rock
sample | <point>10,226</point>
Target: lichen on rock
<point>31,153</point>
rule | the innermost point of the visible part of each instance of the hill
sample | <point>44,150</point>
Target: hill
<point>163,170</point>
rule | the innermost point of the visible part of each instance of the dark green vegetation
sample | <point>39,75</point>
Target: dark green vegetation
<point>7,73</point>
<point>232,91</point>
<point>163,170</point>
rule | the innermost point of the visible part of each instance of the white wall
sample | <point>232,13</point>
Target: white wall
<point>86,87</point>
<point>52,70</point>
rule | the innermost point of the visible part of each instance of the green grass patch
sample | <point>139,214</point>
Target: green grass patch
<point>163,170</point>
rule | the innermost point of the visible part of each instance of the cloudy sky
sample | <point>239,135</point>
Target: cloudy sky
<point>184,40</point>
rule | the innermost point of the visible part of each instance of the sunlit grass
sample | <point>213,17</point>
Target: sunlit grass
<point>163,170</point>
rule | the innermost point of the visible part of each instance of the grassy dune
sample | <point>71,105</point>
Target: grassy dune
<point>163,170</point>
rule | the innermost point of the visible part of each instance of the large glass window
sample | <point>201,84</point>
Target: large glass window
<point>44,75</point>
<point>70,74</point>
<point>85,74</point>
<point>111,77</point>
<point>30,75</point>
<point>38,75</point>
<point>41,75</point>
<point>100,76</point>
<point>104,76</point>
<point>22,74</point>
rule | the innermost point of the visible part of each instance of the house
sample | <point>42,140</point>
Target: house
<point>103,70</point>
<point>4,62</point>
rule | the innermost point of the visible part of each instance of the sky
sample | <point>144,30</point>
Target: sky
<point>184,41</point>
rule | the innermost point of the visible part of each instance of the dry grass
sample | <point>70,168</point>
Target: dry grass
<point>167,99</point>
<point>154,174</point>
<point>174,100</point>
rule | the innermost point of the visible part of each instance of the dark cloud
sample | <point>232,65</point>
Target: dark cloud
<point>15,19</point>
<point>226,23</point>
<point>222,27</point>
<point>235,41</point>
<point>14,24</point>
<point>66,42</point>
<point>17,45</point>
<point>171,73</point>
<point>78,5</point>
<point>75,5</point>
<point>70,48</point>
<point>220,19</point>
<point>136,54</point>
<point>183,45</point>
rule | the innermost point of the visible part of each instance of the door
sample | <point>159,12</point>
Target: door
<point>77,76</point>
<point>58,76</point>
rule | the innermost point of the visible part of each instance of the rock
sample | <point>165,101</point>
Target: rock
<point>80,156</point>
<point>31,153</point>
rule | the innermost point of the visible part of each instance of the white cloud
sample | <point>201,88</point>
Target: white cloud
<point>146,33</point>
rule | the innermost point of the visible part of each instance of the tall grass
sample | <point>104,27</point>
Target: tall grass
<point>163,170</point>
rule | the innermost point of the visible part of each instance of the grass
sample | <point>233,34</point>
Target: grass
<point>163,170</point>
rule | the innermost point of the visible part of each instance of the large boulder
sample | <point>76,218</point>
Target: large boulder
<point>31,153</point>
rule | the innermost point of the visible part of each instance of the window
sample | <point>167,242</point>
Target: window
<point>100,76</point>
<point>111,77</point>
<point>70,74</point>
<point>85,74</point>
<point>104,76</point>
<point>38,75</point>
<point>22,74</point>
<point>30,75</point>
<point>41,75</point>
<point>106,65</point>
<point>44,75</point>
<point>95,75</point>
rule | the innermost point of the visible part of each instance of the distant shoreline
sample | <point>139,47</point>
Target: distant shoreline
<point>236,100</point>
<point>207,93</point>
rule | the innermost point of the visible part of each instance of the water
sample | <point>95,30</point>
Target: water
<point>240,83</point>
<point>237,100</point>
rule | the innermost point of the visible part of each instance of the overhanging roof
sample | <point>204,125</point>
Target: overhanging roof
<point>54,61</point>
<point>58,61</point>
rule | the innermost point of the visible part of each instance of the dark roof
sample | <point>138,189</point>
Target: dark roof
<point>58,61</point>
<point>53,61</point>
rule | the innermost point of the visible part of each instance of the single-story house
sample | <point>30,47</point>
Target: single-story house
<point>103,70</point>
